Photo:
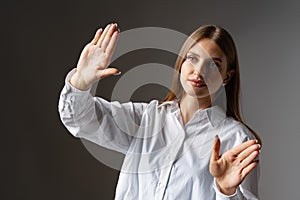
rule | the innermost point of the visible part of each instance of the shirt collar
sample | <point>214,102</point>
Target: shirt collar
<point>174,107</point>
<point>215,114</point>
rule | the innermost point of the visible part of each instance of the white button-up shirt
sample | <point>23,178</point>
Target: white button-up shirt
<point>164,159</point>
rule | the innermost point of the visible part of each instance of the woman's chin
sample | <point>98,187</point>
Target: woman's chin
<point>198,93</point>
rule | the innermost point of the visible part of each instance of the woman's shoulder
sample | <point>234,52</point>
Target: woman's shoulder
<point>235,130</point>
<point>233,133</point>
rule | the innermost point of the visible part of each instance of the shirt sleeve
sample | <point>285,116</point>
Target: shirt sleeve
<point>248,189</point>
<point>108,124</point>
<point>220,196</point>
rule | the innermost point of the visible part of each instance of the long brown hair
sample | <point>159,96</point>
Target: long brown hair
<point>223,39</point>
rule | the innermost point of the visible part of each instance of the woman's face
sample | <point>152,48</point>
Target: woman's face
<point>204,69</point>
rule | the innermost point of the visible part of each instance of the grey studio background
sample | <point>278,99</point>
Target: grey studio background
<point>41,41</point>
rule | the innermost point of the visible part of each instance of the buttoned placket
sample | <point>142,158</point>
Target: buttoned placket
<point>165,172</point>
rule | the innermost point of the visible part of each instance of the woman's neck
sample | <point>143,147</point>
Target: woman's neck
<point>189,105</point>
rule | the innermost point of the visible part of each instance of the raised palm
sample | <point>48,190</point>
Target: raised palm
<point>234,165</point>
<point>95,58</point>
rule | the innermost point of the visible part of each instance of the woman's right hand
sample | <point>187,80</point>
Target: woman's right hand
<point>95,58</point>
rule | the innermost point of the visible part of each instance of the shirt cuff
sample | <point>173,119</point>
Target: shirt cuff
<point>220,196</point>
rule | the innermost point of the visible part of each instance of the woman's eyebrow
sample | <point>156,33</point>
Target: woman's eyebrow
<point>213,58</point>
<point>217,59</point>
<point>190,52</point>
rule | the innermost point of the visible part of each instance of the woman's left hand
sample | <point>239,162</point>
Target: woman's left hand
<point>234,165</point>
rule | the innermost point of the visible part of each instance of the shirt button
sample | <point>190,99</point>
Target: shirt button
<point>160,184</point>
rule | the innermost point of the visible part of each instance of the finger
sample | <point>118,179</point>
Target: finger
<point>103,35</point>
<point>249,168</point>
<point>238,149</point>
<point>97,36</point>
<point>216,149</point>
<point>248,160</point>
<point>108,36</point>
<point>244,154</point>
<point>108,72</point>
<point>112,43</point>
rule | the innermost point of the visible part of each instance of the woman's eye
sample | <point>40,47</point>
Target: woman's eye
<point>191,58</point>
<point>212,64</point>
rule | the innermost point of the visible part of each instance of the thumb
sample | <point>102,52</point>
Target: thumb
<point>108,72</point>
<point>215,150</point>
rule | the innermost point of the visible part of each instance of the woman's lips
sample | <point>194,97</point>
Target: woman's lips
<point>197,83</point>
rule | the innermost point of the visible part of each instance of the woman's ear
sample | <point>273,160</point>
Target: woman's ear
<point>229,75</point>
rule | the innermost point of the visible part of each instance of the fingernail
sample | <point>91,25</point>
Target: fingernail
<point>118,73</point>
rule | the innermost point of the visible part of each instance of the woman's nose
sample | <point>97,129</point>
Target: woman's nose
<point>196,73</point>
<point>200,69</point>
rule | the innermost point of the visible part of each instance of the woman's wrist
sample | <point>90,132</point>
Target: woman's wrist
<point>78,82</point>
<point>226,190</point>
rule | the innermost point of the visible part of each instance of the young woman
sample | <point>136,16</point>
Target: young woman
<point>168,146</point>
